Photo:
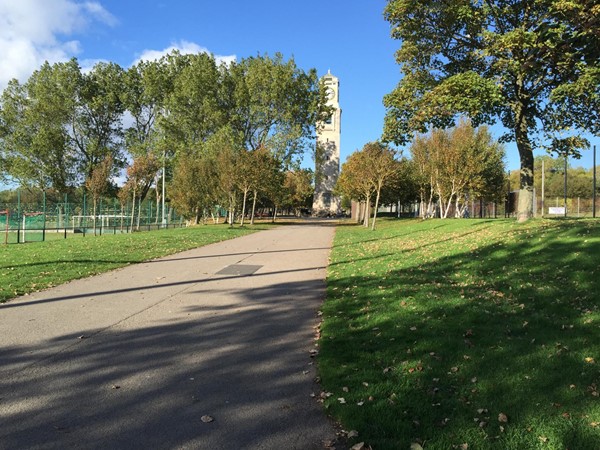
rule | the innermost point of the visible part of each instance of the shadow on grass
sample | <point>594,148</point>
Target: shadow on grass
<point>435,351</point>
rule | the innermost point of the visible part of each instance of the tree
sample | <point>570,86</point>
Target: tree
<point>145,90</point>
<point>194,108</point>
<point>97,184</point>
<point>267,170</point>
<point>365,173</point>
<point>520,61</point>
<point>381,166</point>
<point>460,162</point>
<point>35,139</point>
<point>299,190</point>
<point>97,129</point>
<point>139,175</point>
<point>194,186</point>
<point>247,177</point>
<point>273,103</point>
<point>353,184</point>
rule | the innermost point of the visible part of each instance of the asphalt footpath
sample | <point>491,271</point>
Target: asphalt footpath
<point>205,349</point>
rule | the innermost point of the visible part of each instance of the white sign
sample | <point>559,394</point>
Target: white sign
<point>557,210</point>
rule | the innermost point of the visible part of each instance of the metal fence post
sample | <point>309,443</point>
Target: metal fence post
<point>44,225</point>
<point>83,222</point>
<point>18,216</point>
<point>594,187</point>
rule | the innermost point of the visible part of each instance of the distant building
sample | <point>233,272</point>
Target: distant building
<point>327,165</point>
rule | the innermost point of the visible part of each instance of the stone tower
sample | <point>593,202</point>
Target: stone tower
<point>327,166</point>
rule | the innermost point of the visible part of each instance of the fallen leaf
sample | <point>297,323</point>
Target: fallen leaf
<point>352,434</point>
<point>342,400</point>
<point>416,446</point>
<point>207,419</point>
<point>345,389</point>
<point>502,418</point>
<point>115,386</point>
<point>359,446</point>
<point>589,360</point>
<point>544,439</point>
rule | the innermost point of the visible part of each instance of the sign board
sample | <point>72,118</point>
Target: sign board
<point>557,210</point>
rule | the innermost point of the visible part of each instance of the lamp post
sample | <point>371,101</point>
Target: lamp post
<point>543,180</point>
<point>164,218</point>
<point>565,185</point>
<point>594,187</point>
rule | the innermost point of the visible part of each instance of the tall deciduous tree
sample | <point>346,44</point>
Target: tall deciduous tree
<point>97,184</point>
<point>382,165</point>
<point>36,142</point>
<point>97,126</point>
<point>459,162</point>
<point>299,190</point>
<point>140,175</point>
<point>194,108</point>
<point>365,173</point>
<point>267,173</point>
<point>147,86</point>
<point>273,103</point>
<point>353,183</point>
<point>193,190</point>
<point>520,61</point>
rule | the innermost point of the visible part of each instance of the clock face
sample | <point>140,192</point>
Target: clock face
<point>330,93</point>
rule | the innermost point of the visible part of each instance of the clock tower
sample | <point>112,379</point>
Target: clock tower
<point>327,161</point>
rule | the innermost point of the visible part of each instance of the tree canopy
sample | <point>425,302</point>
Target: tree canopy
<point>532,64</point>
<point>60,125</point>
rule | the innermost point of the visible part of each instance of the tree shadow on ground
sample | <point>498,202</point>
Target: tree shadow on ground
<point>147,385</point>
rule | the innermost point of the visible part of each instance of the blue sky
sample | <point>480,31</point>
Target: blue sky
<point>348,37</point>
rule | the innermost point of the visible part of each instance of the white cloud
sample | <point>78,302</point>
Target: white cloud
<point>34,31</point>
<point>185,48</point>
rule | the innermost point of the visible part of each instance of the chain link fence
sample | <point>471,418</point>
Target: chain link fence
<point>36,221</point>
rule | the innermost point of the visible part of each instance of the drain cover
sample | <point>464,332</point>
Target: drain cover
<point>239,270</point>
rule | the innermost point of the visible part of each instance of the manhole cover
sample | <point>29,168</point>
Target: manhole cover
<point>239,270</point>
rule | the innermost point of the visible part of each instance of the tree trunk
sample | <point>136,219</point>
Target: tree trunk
<point>133,210</point>
<point>158,198</point>
<point>253,208</point>
<point>139,214</point>
<point>94,215</point>
<point>376,206</point>
<point>244,207</point>
<point>525,206</point>
<point>367,211</point>
<point>122,215</point>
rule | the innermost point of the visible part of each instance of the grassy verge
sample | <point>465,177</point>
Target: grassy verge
<point>35,266</point>
<point>465,334</point>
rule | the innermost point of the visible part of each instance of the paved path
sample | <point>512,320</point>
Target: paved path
<point>136,357</point>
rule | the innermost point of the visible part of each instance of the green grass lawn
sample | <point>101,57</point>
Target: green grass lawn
<point>34,266</point>
<point>456,334</point>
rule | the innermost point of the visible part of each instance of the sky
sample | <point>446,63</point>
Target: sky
<point>348,37</point>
